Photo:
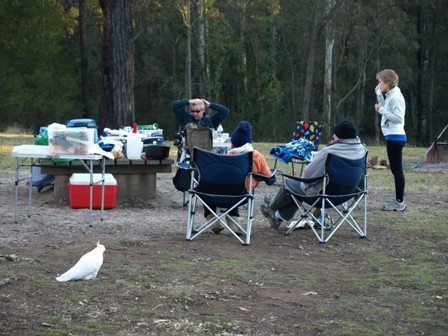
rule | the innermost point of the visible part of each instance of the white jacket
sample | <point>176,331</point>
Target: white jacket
<point>392,111</point>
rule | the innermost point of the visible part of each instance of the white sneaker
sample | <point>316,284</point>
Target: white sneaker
<point>394,206</point>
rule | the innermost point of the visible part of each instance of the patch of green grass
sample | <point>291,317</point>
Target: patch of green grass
<point>51,319</point>
<point>352,329</point>
<point>11,270</point>
<point>73,299</point>
<point>176,254</point>
<point>179,292</point>
<point>52,332</point>
<point>46,282</point>
<point>218,322</point>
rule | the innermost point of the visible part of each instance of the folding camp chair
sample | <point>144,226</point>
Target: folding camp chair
<point>344,188</point>
<point>192,136</point>
<point>221,184</point>
<point>306,139</point>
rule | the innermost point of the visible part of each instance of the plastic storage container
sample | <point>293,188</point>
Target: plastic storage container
<point>79,191</point>
<point>134,145</point>
<point>77,140</point>
<point>153,140</point>
<point>89,123</point>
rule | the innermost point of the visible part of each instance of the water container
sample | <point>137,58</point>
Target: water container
<point>134,145</point>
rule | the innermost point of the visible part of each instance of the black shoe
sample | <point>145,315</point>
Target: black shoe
<point>270,215</point>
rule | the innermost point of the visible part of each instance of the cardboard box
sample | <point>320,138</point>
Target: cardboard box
<point>79,191</point>
<point>76,140</point>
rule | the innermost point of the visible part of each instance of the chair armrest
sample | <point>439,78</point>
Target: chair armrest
<point>301,179</point>
<point>271,179</point>
<point>183,165</point>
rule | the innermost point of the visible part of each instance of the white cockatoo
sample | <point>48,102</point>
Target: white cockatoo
<point>87,267</point>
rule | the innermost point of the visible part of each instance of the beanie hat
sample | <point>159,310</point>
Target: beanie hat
<point>345,130</point>
<point>242,134</point>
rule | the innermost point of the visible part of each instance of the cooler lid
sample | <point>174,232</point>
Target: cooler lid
<point>84,178</point>
<point>90,123</point>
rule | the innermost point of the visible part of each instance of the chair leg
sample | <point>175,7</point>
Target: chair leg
<point>185,202</point>
<point>217,227</point>
<point>233,226</point>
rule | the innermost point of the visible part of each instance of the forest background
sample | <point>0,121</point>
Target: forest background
<point>272,62</point>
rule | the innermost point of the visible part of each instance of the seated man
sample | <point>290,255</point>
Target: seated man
<point>345,143</point>
<point>241,140</point>
<point>198,114</point>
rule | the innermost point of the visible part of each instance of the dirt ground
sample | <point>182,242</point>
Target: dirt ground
<point>154,282</point>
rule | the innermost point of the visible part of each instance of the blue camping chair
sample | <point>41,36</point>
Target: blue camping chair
<point>221,183</point>
<point>344,188</point>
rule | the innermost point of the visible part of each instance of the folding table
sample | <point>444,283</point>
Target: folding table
<point>31,152</point>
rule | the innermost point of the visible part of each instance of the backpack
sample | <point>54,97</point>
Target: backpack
<point>182,179</point>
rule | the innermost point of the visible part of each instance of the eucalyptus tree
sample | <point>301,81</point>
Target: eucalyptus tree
<point>117,78</point>
<point>84,59</point>
<point>322,14</point>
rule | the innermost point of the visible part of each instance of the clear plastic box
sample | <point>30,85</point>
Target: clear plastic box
<point>76,140</point>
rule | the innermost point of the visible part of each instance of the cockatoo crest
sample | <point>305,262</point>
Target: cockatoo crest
<point>87,267</point>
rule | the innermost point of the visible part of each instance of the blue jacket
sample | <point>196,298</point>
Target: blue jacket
<point>185,117</point>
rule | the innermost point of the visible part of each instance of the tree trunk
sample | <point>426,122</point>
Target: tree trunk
<point>320,20</point>
<point>419,80</point>
<point>243,55</point>
<point>329,43</point>
<point>84,60</point>
<point>117,78</point>
<point>310,69</point>
<point>432,65</point>
<point>188,88</point>
<point>201,47</point>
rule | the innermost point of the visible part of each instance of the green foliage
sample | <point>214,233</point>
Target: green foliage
<point>256,56</point>
<point>38,71</point>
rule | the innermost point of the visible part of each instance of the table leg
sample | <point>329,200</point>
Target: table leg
<point>16,186</point>
<point>91,192</point>
<point>30,190</point>
<point>103,177</point>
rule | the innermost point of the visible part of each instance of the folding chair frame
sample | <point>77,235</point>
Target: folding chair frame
<point>234,200</point>
<point>184,151</point>
<point>324,201</point>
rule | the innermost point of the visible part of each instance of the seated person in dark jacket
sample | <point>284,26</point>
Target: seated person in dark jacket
<point>198,114</point>
<point>346,144</point>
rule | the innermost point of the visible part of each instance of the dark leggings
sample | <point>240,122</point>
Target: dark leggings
<point>395,156</point>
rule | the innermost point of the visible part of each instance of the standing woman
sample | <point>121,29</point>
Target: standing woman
<point>392,107</point>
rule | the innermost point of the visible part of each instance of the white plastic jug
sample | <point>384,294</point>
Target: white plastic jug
<point>134,145</point>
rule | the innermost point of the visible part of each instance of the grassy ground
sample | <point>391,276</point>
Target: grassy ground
<point>393,283</point>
